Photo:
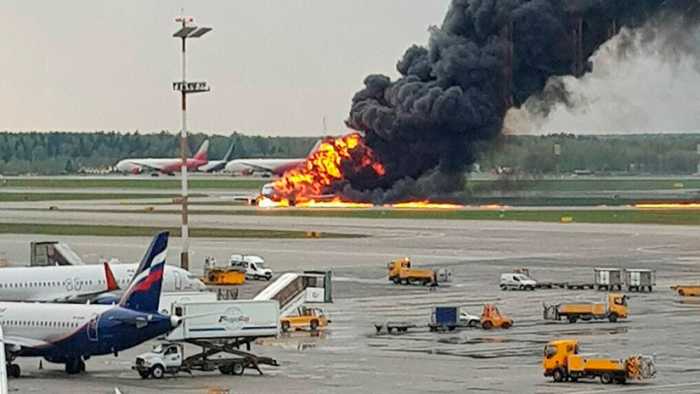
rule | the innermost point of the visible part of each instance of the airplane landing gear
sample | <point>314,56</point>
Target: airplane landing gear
<point>13,370</point>
<point>75,366</point>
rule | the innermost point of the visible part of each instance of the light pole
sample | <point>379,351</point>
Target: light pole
<point>184,87</point>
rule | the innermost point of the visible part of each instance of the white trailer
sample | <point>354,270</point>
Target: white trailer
<point>220,328</point>
<point>167,300</point>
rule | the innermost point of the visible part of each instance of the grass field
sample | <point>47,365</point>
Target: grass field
<point>679,217</point>
<point>586,184</point>
<point>134,231</point>
<point>132,183</point>
<point>10,197</point>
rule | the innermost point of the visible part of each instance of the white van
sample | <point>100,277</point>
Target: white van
<point>254,266</point>
<point>517,281</point>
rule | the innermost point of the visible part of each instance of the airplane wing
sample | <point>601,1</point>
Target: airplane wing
<point>14,343</point>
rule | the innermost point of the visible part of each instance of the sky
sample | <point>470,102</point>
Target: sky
<point>274,67</point>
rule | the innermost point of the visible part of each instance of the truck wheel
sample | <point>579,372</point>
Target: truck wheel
<point>268,277</point>
<point>559,375</point>
<point>144,374</point>
<point>522,287</point>
<point>505,325</point>
<point>473,323</point>
<point>256,277</point>
<point>606,378</point>
<point>487,325</point>
<point>504,287</point>
<point>285,326</point>
<point>681,292</point>
<point>612,318</point>
<point>396,280</point>
<point>313,325</point>
<point>158,371</point>
<point>573,319</point>
<point>237,369</point>
<point>225,369</point>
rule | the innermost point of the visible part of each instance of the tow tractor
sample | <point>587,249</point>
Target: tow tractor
<point>562,361</point>
<point>689,290</point>
<point>311,318</point>
<point>220,329</point>
<point>491,317</point>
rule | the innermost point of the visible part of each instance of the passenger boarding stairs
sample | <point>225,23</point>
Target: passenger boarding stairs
<point>294,290</point>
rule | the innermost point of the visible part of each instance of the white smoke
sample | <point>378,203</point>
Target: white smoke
<point>642,81</point>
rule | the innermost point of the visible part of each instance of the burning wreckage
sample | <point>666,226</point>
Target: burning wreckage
<point>415,136</point>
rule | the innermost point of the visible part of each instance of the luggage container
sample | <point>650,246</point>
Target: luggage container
<point>608,278</point>
<point>640,279</point>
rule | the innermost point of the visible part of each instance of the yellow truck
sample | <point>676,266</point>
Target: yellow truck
<point>614,308</point>
<point>687,290</point>
<point>400,271</point>
<point>311,318</point>
<point>563,361</point>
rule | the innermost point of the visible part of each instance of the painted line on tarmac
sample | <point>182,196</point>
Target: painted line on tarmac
<point>640,388</point>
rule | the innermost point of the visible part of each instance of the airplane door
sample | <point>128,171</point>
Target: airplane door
<point>92,328</point>
<point>178,281</point>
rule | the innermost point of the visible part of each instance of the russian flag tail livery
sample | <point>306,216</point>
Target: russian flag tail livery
<point>201,154</point>
<point>143,294</point>
<point>158,245</point>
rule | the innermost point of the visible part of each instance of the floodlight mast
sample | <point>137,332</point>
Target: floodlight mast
<point>187,31</point>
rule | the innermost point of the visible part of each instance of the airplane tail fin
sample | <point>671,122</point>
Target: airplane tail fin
<point>143,294</point>
<point>112,284</point>
<point>159,244</point>
<point>201,154</point>
<point>229,153</point>
<point>315,148</point>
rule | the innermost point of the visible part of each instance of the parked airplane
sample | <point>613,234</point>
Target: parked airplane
<point>69,334</point>
<point>83,283</point>
<point>217,165</point>
<point>266,166</point>
<point>165,166</point>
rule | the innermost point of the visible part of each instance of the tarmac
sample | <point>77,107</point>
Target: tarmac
<point>350,357</point>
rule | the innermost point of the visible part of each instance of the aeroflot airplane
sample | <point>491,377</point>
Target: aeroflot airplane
<point>72,333</point>
<point>165,166</point>
<point>86,283</point>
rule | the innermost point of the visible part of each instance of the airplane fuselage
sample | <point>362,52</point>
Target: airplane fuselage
<point>168,166</point>
<point>62,283</point>
<point>62,331</point>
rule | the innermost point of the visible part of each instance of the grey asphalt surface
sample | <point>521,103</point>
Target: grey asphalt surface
<point>349,357</point>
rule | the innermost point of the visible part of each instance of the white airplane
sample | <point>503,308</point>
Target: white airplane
<point>267,166</point>
<point>165,166</point>
<point>96,284</point>
<point>69,334</point>
<point>217,165</point>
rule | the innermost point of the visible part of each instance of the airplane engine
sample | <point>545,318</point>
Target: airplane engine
<point>247,171</point>
<point>137,170</point>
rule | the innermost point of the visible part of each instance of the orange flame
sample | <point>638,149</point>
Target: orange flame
<point>324,168</point>
<point>424,205</point>
<point>690,205</point>
<point>335,203</point>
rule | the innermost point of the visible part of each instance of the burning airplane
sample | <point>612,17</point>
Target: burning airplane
<point>415,137</point>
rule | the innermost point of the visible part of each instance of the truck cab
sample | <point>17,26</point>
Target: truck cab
<point>254,266</point>
<point>617,304</point>
<point>165,357</point>
<point>556,355</point>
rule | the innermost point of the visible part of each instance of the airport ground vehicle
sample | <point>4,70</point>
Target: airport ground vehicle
<point>615,307</point>
<point>516,281</point>
<point>219,327</point>
<point>215,275</point>
<point>400,271</point>
<point>254,266</point>
<point>608,278</point>
<point>692,290</point>
<point>640,279</point>
<point>491,317</point>
<point>562,361</point>
<point>311,318</point>
<point>450,318</point>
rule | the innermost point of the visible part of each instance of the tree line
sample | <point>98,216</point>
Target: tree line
<point>67,152</point>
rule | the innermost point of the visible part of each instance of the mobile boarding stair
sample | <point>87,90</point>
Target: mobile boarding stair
<point>294,290</point>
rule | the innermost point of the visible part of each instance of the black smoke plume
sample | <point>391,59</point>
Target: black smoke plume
<point>453,94</point>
